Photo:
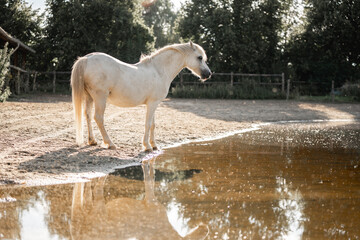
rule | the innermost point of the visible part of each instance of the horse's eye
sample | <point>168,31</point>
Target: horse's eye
<point>200,58</point>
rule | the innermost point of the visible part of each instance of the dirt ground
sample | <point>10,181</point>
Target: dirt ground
<point>37,133</point>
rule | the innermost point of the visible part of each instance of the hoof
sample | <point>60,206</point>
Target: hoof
<point>92,142</point>
<point>148,150</point>
<point>108,146</point>
<point>155,148</point>
<point>112,147</point>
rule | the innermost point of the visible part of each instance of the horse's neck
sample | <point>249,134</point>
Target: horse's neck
<point>169,64</point>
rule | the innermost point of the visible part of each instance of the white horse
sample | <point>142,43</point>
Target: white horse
<point>98,77</point>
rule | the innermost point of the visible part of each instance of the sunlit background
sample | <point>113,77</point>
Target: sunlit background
<point>40,4</point>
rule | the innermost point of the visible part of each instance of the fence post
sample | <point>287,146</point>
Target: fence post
<point>34,82</point>
<point>26,87</point>
<point>288,90</point>
<point>17,83</point>
<point>54,82</point>
<point>232,79</point>
<point>332,91</point>
<point>283,83</point>
<point>181,79</point>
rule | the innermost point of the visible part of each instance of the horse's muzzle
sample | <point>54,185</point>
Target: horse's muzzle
<point>205,74</point>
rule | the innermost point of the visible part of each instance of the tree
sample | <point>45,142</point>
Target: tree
<point>77,27</point>
<point>20,21</point>
<point>4,70</point>
<point>327,50</point>
<point>294,20</point>
<point>239,35</point>
<point>160,17</point>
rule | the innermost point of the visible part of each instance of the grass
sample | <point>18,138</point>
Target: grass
<point>249,92</point>
<point>337,99</point>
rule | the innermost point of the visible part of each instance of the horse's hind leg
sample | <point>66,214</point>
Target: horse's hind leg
<point>88,111</point>
<point>100,104</point>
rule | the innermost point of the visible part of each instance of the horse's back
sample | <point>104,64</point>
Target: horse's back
<point>125,84</point>
<point>105,71</point>
<point>102,61</point>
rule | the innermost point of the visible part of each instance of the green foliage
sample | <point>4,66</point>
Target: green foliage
<point>224,92</point>
<point>77,27</point>
<point>238,35</point>
<point>160,17</point>
<point>21,21</point>
<point>4,72</point>
<point>327,50</point>
<point>351,90</point>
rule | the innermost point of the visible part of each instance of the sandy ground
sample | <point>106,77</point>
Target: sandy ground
<point>37,134</point>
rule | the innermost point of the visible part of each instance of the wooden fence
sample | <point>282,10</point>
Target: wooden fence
<point>232,82</point>
<point>22,80</point>
<point>288,87</point>
<point>23,83</point>
<point>304,88</point>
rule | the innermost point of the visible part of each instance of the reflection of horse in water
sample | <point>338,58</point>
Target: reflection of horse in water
<point>123,218</point>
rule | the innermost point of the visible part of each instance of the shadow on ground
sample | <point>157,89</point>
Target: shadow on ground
<point>77,160</point>
<point>264,110</point>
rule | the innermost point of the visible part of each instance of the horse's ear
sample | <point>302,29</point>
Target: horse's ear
<point>192,45</point>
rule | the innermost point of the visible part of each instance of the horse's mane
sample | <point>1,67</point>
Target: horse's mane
<point>182,48</point>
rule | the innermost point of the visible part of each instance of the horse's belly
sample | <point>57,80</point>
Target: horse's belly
<point>124,101</point>
<point>130,94</point>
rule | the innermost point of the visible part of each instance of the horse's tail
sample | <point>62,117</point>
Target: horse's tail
<point>78,91</point>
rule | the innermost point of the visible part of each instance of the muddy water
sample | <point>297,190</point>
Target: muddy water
<point>298,181</point>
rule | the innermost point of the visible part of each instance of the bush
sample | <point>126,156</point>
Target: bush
<point>225,92</point>
<point>351,90</point>
<point>4,72</point>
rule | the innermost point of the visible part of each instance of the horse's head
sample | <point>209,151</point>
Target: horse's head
<point>196,62</point>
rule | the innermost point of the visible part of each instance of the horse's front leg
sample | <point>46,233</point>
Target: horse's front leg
<point>149,127</point>
<point>152,134</point>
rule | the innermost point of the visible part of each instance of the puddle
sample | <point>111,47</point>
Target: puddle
<point>294,181</point>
